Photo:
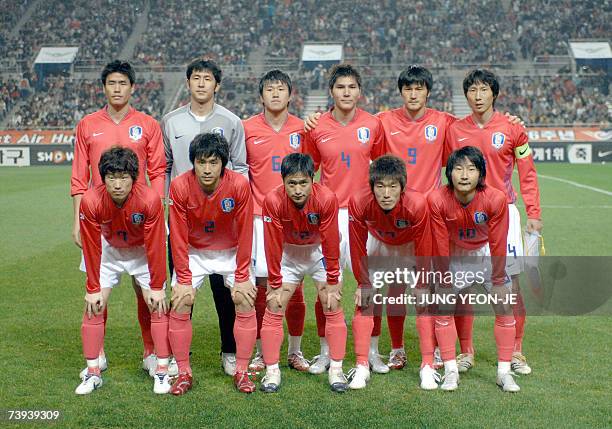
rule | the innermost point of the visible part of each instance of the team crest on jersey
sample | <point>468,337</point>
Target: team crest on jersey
<point>135,132</point>
<point>480,218</point>
<point>498,139</point>
<point>401,223</point>
<point>431,133</point>
<point>313,218</point>
<point>227,205</point>
<point>137,218</point>
<point>217,130</point>
<point>81,216</point>
<point>294,140</point>
<point>363,135</point>
<point>267,219</point>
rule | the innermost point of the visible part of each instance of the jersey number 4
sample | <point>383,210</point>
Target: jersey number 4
<point>346,159</point>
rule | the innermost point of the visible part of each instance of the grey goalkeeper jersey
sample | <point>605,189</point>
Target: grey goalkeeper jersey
<point>179,127</point>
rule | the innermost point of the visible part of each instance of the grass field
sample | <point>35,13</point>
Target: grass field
<point>40,351</point>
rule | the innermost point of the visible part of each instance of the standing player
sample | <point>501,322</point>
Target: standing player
<point>394,224</point>
<point>122,230</point>
<point>301,238</point>
<point>211,231</point>
<point>179,128</point>
<point>470,221</point>
<point>118,123</point>
<point>503,145</point>
<point>343,144</point>
<point>270,136</point>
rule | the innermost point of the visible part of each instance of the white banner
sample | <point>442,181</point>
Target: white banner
<point>317,52</point>
<point>16,156</point>
<point>56,55</point>
<point>591,50</point>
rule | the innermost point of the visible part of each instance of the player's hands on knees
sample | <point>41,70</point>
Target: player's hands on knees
<point>514,120</point>
<point>534,225</point>
<point>182,296</point>
<point>157,301</point>
<point>94,303</point>
<point>363,297</point>
<point>244,293</point>
<point>311,122</point>
<point>501,292</point>
<point>334,296</point>
<point>76,235</point>
<point>274,299</point>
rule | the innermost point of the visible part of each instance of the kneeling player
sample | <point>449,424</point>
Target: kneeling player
<point>301,238</point>
<point>470,222</point>
<point>122,230</point>
<point>389,224</point>
<point>211,232</point>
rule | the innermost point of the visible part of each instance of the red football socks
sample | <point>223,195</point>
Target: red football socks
<point>425,328</point>
<point>159,333</point>
<point>180,333</point>
<point>446,336</point>
<point>362,332</point>
<point>505,332</point>
<point>92,334</point>
<point>335,333</point>
<point>296,312</point>
<point>245,332</point>
<point>272,336</point>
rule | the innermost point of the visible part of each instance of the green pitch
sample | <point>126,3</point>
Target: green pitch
<point>40,351</point>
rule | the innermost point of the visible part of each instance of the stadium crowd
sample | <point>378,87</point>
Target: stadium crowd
<point>545,26</point>
<point>70,22</point>
<point>560,99</point>
<point>67,100</point>
<point>389,33</point>
<point>177,32</point>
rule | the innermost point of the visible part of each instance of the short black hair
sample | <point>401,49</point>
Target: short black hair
<point>343,70</point>
<point>274,76</point>
<point>295,163</point>
<point>482,76</point>
<point>118,66</point>
<point>201,64</point>
<point>388,167</point>
<point>118,159</point>
<point>206,145</point>
<point>474,155</point>
<point>415,74</point>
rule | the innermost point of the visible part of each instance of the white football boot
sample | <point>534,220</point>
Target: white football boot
<point>507,383</point>
<point>465,362</point>
<point>90,383</point>
<point>376,363</point>
<point>450,381</point>
<point>228,362</point>
<point>161,384</point>
<point>429,378</point>
<point>359,377</point>
<point>319,364</point>
<point>519,364</point>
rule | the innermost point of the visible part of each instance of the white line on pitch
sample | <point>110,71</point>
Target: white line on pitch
<point>576,184</point>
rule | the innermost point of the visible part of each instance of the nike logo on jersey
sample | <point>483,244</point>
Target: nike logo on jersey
<point>97,134</point>
<point>602,154</point>
<point>258,141</point>
<point>178,137</point>
<point>395,132</point>
<point>463,138</point>
<point>324,140</point>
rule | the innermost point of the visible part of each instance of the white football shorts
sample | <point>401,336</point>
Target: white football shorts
<point>514,255</point>
<point>299,261</point>
<point>203,262</point>
<point>260,267</point>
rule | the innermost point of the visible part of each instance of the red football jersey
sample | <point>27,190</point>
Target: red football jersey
<point>316,222</point>
<point>221,220</point>
<point>484,219</point>
<point>406,222</point>
<point>502,144</point>
<point>344,152</point>
<point>266,149</point>
<point>420,143</point>
<point>97,132</point>
<point>140,221</point>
